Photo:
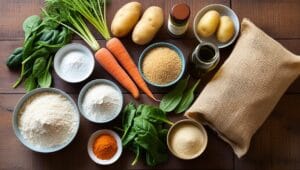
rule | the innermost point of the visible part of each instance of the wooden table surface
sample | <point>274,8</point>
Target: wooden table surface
<point>276,145</point>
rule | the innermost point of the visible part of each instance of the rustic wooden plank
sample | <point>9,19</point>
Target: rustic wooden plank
<point>13,13</point>
<point>276,144</point>
<point>13,155</point>
<point>8,77</point>
<point>16,11</point>
<point>281,19</point>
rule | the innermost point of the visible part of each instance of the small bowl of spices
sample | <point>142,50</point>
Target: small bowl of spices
<point>187,139</point>
<point>100,101</point>
<point>104,147</point>
<point>74,63</point>
<point>162,64</point>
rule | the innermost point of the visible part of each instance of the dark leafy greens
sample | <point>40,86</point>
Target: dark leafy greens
<point>144,133</point>
<point>180,98</point>
<point>171,100</point>
<point>43,37</point>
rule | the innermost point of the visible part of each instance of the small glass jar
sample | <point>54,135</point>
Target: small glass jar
<point>178,21</point>
<point>204,58</point>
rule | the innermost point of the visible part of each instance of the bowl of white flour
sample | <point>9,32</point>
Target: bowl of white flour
<point>100,101</point>
<point>46,120</point>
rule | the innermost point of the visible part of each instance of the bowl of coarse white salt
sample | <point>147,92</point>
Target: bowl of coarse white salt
<point>46,120</point>
<point>100,101</point>
<point>74,63</point>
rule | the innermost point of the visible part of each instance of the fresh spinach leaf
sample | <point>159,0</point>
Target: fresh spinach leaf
<point>39,67</point>
<point>30,83</point>
<point>154,146</point>
<point>187,99</point>
<point>46,79</point>
<point>43,52</point>
<point>28,46</point>
<point>31,24</point>
<point>127,118</point>
<point>130,135</point>
<point>142,126</point>
<point>171,100</point>
<point>15,59</point>
<point>154,115</point>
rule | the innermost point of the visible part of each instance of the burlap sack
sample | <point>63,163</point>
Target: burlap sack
<point>245,90</point>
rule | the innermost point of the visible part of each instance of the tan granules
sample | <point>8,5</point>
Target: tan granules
<point>161,65</point>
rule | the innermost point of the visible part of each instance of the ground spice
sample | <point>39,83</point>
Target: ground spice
<point>161,65</point>
<point>105,146</point>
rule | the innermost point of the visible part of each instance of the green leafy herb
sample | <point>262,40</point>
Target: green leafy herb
<point>187,99</point>
<point>46,79</point>
<point>154,114</point>
<point>15,59</point>
<point>171,100</point>
<point>30,83</point>
<point>39,67</point>
<point>31,24</point>
<point>144,133</point>
<point>43,37</point>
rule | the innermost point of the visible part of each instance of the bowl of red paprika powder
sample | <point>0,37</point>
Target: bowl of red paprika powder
<point>104,147</point>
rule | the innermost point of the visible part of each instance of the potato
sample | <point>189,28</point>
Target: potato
<point>225,30</point>
<point>208,24</point>
<point>126,18</point>
<point>148,26</point>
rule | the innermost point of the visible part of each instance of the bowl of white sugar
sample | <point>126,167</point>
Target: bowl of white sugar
<point>100,101</point>
<point>46,120</point>
<point>74,63</point>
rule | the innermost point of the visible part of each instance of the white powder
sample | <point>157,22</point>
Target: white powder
<point>47,120</point>
<point>101,102</point>
<point>75,66</point>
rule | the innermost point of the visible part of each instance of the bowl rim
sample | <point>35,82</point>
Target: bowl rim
<point>235,20</point>
<point>91,141</point>
<point>198,125</point>
<point>85,89</point>
<point>68,47</point>
<point>162,44</point>
<point>19,106</point>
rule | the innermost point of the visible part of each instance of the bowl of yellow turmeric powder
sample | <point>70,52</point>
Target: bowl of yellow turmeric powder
<point>104,147</point>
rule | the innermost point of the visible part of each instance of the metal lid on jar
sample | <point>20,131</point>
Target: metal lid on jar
<point>180,13</point>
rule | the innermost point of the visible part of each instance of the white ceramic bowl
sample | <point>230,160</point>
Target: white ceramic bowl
<point>224,11</point>
<point>91,142</point>
<point>17,130</point>
<point>61,53</point>
<point>85,89</point>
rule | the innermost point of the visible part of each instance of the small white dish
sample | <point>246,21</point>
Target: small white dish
<point>91,142</point>
<point>86,88</point>
<point>79,49</point>
<point>224,11</point>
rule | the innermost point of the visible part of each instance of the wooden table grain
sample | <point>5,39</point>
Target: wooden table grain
<point>276,145</point>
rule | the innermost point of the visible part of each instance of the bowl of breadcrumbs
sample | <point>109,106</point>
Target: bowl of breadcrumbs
<point>162,64</point>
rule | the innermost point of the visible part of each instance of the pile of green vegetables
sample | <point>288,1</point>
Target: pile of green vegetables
<point>43,38</point>
<point>180,98</point>
<point>144,133</point>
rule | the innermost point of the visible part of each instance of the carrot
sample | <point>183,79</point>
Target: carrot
<point>110,64</point>
<point>117,48</point>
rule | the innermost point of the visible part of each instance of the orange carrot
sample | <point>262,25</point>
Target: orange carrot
<point>110,64</point>
<point>117,48</point>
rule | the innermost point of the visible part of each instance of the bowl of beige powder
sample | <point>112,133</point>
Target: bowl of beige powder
<point>46,120</point>
<point>162,64</point>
